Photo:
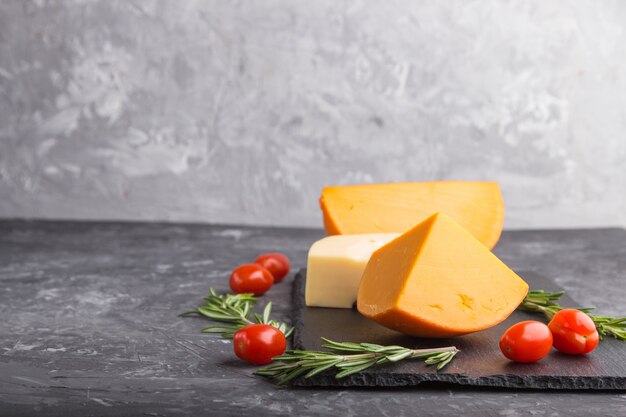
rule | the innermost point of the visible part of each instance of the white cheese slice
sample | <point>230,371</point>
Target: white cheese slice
<point>335,265</point>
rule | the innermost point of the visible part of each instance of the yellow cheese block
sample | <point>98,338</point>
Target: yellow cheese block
<point>397,207</point>
<point>335,265</point>
<point>437,280</point>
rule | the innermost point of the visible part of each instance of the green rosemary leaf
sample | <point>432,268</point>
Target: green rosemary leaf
<point>399,356</point>
<point>322,367</point>
<point>266,312</point>
<point>349,363</point>
<point>342,346</point>
<point>355,369</point>
<point>376,348</point>
<point>446,360</point>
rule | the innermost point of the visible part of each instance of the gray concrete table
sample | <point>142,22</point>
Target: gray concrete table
<point>90,327</point>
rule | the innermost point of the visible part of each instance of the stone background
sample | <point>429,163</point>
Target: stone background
<point>240,111</point>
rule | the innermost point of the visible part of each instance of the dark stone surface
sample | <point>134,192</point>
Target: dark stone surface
<point>89,323</point>
<point>480,362</point>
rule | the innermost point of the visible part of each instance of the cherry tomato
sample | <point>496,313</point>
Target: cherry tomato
<point>276,263</point>
<point>574,332</point>
<point>251,278</point>
<point>526,341</point>
<point>259,343</point>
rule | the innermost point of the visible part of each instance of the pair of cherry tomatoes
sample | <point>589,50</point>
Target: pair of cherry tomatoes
<point>570,331</point>
<point>259,343</point>
<point>258,277</point>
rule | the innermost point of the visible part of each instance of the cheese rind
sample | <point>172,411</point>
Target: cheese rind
<point>397,207</point>
<point>335,265</point>
<point>437,280</point>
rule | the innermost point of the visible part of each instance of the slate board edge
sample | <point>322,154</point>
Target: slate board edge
<point>365,379</point>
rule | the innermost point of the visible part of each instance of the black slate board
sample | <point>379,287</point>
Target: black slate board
<point>480,362</point>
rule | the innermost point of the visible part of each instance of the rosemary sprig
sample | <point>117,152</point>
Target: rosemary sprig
<point>545,302</point>
<point>236,311</point>
<point>349,358</point>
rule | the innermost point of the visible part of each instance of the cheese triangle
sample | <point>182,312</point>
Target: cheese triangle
<point>397,207</point>
<point>437,280</point>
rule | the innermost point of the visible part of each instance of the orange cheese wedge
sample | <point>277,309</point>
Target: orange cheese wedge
<point>437,280</point>
<point>395,208</point>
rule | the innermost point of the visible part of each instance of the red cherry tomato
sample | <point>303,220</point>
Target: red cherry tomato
<point>251,278</point>
<point>276,263</point>
<point>574,332</point>
<point>259,343</point>
<point>526,341</point>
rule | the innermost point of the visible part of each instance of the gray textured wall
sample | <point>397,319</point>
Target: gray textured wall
<point>240,111</point>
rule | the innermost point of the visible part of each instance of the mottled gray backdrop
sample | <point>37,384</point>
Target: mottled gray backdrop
<point>240,111</point>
